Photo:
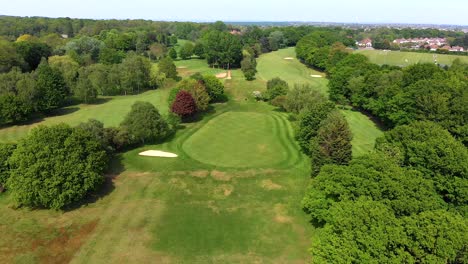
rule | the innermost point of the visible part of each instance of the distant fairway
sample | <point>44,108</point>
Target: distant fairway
<point>274,64</point>
<point>364,130</point>
<point>398,58</point>
<point>232,195</point>
<point>241,139</point>
<point>111,111</point>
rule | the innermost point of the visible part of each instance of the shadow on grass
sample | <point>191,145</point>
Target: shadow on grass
<point>373,118</point>
<point>116,167</point>
<point>199,116</point>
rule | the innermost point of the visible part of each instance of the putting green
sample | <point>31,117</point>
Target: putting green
<point>240,139</point>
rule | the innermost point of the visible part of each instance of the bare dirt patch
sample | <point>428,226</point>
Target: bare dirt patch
<point>220,176</point>
<point>200,173</point>
<point>270,185</point>
<point>182,67</point>
<point>223,190</point>
<point>62,248</point>
<point>281,215</point>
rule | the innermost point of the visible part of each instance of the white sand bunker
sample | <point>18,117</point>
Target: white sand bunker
<point>289,58</point>
<point>221,75</point>
<point>157,153</point>
<point>182,67</point>
<point>316,76</point>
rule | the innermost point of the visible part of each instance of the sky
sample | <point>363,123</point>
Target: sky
<point>357,11</point>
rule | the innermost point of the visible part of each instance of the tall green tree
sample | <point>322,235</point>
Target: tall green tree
<point>6,150</point>
<point>167,66</point>
<point>55,166</point>
<point>309,123</point>
<point>52,88</point>
<point>144,123</point>
<point>135,74</point>
<point>332,143</point>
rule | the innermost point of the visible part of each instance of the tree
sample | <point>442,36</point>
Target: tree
<point>55,166</point>
<point>6,150</point>
<point>276,87</point>
<point>184,105</point>
<point>214,87</point>
<point>222,49</point>
<point>9,57</point>
<point>33,52</point>
<point>135,74</point>
<point>111,56</point>
<point>309,123</point>
<point>431,149</point>
<point>249,67</point>
<point>52,88</point>
<point>198,92</point>
<point>302,96</point>
<point>87,49</point>
<point>186,51</point>
<point>173,53</point>
<point>276,40</point>
<point>84,89</point>
<point>19,96</point>
<point>199,50</point>
<point>167,66</point>
<point>157,51</point>
<point>144,123</point>
<point>67,66</point>
<point>332,143</point>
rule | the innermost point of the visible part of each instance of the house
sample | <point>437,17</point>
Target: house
<point>457,49</point>
<point>235,32</point>
<point>365,43</point>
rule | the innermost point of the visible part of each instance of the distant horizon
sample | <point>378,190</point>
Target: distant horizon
<point>246,21</point>
<point>430,12</point>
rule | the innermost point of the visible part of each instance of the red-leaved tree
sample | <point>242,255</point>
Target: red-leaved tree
<point>184,105</point>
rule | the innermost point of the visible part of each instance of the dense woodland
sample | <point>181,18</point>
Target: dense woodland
<point>406,202</point>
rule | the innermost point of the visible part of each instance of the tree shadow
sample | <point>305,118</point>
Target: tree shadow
<point>63,111</point>
<point>379,123</point>
<point>199,116</point>
<point>115,168</point>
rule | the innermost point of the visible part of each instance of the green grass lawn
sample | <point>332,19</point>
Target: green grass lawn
<point>402,59</point>
<point>111,111</point>
<point>274,64</point>
<point>231,196</point>
<point>364,130</point>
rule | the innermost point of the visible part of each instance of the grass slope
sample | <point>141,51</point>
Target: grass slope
<point>402,59</point>
<point>111,111</point>
<point>274,64</point>
<point>202,207</point>
<point>364,130</point>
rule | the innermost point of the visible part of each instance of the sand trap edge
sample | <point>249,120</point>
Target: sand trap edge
<point>157,153</point>
<point>316,76</point>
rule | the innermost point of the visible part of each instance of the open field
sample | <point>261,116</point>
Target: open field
<point>176,210</point>
<point>402,59</point>
<point>274,64</point>
<point>111,110</point>
<point>364,130</point>
<point>231,196</point>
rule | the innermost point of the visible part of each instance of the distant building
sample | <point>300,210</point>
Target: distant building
<point>365,43</point>
<point>421,41</point>
<point>235,32</point>
<point>456,49</point>
<point>65,36</point>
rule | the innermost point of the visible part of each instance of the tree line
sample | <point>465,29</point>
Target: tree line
<point>406,201</point>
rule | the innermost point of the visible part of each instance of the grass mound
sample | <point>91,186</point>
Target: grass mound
<point>239,139</point>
